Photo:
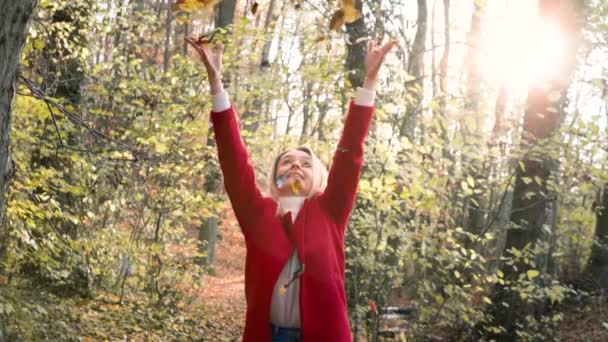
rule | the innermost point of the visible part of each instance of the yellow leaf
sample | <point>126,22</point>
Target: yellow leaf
<point>348,3</point>
<point>351,14</point>
<point>192,5</point>
<point>532,274</point>
<point>296,187</point>
<point>282,290</point>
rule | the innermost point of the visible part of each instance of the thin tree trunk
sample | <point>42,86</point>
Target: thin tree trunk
<point>168,24</point>
<point>530,195</point>
<point>474,135</point>
<point>306,110</point>
<point>267,23</point>
<point>213,180</point>
<point>15,20</point>
<point>416,70</point>
<point>355,53</point>
<point>596,271</point>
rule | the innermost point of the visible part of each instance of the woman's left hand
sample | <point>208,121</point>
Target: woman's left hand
<point>373,61</point>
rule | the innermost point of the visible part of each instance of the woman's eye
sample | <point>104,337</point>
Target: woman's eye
<point>306,165</point>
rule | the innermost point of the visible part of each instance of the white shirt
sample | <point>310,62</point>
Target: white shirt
<point>363,97</point>
<point>285,307</point>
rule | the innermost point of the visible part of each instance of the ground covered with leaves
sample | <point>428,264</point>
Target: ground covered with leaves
<point>214,312</point>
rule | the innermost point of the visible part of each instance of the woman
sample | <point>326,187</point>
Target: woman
<point>294,271</point>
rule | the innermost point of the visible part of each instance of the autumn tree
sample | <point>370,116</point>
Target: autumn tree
<point>16,17</point>
<point>527,239</point>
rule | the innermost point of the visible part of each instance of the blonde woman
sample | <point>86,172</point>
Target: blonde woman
<point>294,271</point>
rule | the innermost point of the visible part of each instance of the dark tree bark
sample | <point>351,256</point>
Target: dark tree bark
<point>355,53</point>
<point>15,20</point>
<point>225,13</point>
<point>168,28</point>
<point>415,69</point>
<point>596,272</point>
<point>531,197</point>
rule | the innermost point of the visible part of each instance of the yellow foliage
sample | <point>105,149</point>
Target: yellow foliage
<point>193,5</point>
<point>345,15</point>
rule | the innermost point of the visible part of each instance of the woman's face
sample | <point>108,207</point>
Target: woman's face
<point>294,174</point>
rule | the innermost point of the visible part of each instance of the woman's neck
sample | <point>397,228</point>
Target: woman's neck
<point>291,204</point>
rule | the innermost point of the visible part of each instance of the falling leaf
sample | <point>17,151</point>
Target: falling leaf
<point>193,5</point>
<point>350,12</point>
<point>320,39</point>
<point>351,15</point>
<point>254,8</point>
<point>337,20</point>
<point>282,290</point>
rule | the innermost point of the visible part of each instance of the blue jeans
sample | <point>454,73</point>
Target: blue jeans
<point>280,334</point>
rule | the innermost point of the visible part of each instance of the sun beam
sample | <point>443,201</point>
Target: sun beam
<point>518,48</point>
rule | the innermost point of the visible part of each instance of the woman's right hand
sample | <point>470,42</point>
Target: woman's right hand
<point>212,59</point>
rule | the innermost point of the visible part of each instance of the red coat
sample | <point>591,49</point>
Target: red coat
<point>317,233</point>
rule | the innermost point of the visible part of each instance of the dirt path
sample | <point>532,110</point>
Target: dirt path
<point>222,296</point>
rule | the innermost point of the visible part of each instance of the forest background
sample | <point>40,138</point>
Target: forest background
<point>482,210</point>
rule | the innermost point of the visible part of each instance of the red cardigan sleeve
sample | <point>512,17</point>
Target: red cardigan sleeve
<point>239,175</point>
<point>343,178</point>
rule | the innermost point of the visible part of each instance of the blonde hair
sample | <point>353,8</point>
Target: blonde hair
<point>319,174</point>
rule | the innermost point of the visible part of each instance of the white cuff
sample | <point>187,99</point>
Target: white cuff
<point>365,97</point>
<point>220,101</point>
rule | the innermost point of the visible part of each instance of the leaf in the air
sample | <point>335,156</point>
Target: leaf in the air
<point>254,8</point>
<point>337,20</point>
<point>193,5</point>
<point>350,12</point>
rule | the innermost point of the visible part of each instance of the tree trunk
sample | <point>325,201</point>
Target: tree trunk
<point>355,53</point>
<point>225,13</point>
<point>416,70</point>
<point>14,25</point>
<point>266,50</point>
<point>597,267</point>
<point>168,25</point>
<point>213,179</point>
<point>531,196</point>
<point>473,135</point>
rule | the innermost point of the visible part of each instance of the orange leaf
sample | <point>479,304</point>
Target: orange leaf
<point>337,20</point>
<point>351,14</point>
<point>348,3</point>
<point>296,187</point>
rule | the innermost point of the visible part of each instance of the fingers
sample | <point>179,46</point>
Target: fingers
<point>218,48</point>
<point>388,46</point>
<point>371,44</point>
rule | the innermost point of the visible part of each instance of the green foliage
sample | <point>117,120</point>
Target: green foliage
<point>111,153</point>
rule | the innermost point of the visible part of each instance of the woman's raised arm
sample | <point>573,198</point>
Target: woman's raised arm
<point>239,175</point>
<point>339,196</point>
